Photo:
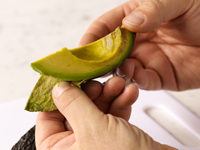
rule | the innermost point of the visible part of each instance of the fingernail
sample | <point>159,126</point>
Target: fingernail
<point>58,89</point>
<point>135,19</point>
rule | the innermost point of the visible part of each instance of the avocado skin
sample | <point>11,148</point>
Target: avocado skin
<point>27,141</point>
<point>41,96</point>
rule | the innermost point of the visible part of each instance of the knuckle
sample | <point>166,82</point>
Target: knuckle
<point>155,4</point>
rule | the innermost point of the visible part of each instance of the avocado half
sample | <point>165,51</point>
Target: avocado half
<point>77,65</point>
<point>88,61</point>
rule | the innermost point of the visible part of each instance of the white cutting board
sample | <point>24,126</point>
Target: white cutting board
<point>183,127</point>
<point>15,121</point>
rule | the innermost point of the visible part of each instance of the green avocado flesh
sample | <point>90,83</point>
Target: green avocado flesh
<point>89,61</point>
<point>77,65</point>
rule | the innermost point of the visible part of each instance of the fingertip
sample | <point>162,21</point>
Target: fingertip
<point>92,89</point>
<point>140,77</point>
<point>58,89</point>
<point>145,18</point>
<point>132,88</point>
<point>121,106</point>
<point>145,27</point>
<point>115,84</point>
<point>129,96</point>
<point>134,21</point>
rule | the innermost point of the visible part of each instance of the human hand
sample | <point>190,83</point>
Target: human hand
<point>167,48</point>
<point>86,127</point>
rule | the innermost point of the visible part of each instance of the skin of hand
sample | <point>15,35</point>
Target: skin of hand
<point>94,119</point>
<point>166,53</point>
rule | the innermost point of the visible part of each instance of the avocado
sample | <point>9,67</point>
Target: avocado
<point>27,141</point>
<point>41,96</point>
<point>88,61</point>
<point>77,65</point>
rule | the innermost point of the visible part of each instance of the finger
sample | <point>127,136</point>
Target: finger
<point>121,106</point>
<point>152,71</point>
<point>147,79</point>
<point>136,16</point>
<point>151,13</point>
<point>75,105</point>
<point>112,88</point>
<point>126,71</point>
<point>92,88</point>
<point>149,74</point>
<point>106,23</point>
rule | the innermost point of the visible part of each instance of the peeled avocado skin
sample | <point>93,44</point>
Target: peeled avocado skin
<point>41,96</point>
<point>89,61</point>
<point>77,65</point>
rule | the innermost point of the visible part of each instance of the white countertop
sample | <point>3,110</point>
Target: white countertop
<point>30,30</point>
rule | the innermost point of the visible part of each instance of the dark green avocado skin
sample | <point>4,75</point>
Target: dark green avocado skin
<point>27,141</point>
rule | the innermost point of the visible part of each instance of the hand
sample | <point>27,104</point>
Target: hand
<point>167,48</point>
<point>86,127</point>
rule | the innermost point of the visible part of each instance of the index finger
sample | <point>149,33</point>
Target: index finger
<point>107,23</point>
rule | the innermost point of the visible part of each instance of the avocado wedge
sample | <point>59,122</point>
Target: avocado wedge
<point>77,65</point>
<point>89,61</point>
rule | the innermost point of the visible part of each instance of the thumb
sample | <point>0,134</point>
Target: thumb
<point>77,108</point>
<point>151,13</point>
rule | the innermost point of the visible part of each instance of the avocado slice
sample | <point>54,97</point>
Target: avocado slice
<point>89,61</point>
<point>77,65</point>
